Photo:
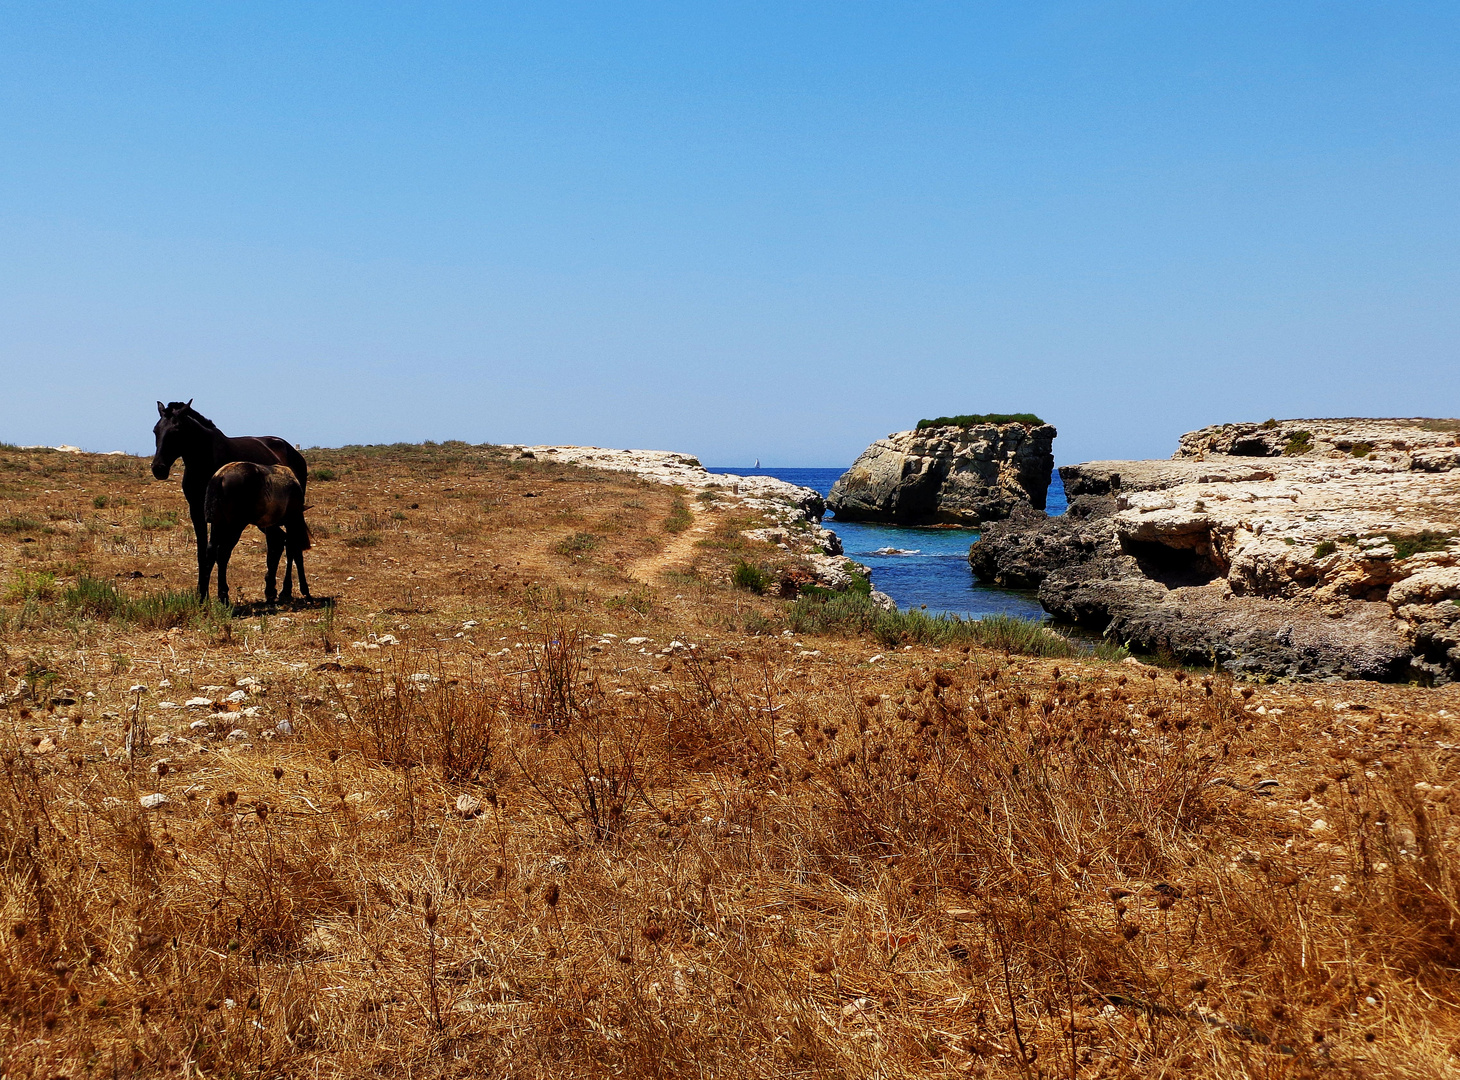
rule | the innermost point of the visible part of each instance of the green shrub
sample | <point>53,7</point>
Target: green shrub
<point>972,419</point>
<point>679,517</point>
<point>854,613</point>
<point>1415,543</point>
<point>100,501</point>
<point>1299,442</point>
<point>363,540</point>
<point>31,586</point>
<point>159,522</point>
<point>1268,424</point>
<point>580,543</point>
<point>97,599</point>
<point>747,575</point>
<point>759,625</point>
<point>1324,549</point>
<point>18,524</point>
<point>1361,449</point>
<point>323,472</point>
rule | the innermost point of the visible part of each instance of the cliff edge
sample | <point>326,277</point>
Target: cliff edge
<point>1298,548</point>
<point>953,475</point>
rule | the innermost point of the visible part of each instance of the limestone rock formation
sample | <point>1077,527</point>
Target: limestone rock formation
<point>948,475</point>
<point>1338,554</point>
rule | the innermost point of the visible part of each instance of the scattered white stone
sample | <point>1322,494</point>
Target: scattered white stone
<point>236,734</point>
<point>388,639</point>
<point>283,727</point>
<point>168,705</point>
<point>199,703</point>
<point>874,659</point>
<point>636,640</point>
<point>468,806</point>
<point>247,682</point>
<point>200,725</point>
<point>140,689</point>
<point>238,695</point>
<point>152,802</point>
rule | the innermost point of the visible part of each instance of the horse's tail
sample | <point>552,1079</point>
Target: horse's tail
<point>307,541</point>
<point>212,499</point>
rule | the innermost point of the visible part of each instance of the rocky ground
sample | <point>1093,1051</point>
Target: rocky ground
<point>501,807</point>
<point>1302,548</point>
<point>792,514</point>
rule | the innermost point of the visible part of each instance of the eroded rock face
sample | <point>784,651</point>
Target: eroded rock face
<point>1313,562</point>
<point>948,475</point>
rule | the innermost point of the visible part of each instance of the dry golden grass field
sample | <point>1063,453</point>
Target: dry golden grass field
<point>541,794</point>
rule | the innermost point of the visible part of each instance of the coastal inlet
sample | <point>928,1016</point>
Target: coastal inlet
<point>918,566</point>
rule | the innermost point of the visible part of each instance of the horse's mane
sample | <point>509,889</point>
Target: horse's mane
<point>193,414</point>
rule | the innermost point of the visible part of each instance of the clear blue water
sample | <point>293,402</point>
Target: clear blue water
<point>930,567</point>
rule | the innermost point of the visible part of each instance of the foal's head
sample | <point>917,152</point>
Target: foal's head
<point>173,433</point>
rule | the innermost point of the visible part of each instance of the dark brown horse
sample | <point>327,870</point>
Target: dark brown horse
<point>269,496</point>
<point>183,432</point>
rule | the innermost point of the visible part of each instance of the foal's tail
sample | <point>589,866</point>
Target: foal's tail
<point>307,541</point>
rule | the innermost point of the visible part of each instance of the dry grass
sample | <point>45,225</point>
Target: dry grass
<point>535,849</point>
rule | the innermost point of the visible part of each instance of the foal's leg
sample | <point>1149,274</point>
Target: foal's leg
<point>275,539</point>
<point>297,532</point>
<point>224,541</point>
<point>286,541</point>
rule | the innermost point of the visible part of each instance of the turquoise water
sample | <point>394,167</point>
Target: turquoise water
<point>918,567</point>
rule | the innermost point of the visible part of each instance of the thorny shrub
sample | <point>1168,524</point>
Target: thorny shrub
<point>991,868</point>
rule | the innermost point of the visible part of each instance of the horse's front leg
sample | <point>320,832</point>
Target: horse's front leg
<point>275,539</point>
<point>205,552</point>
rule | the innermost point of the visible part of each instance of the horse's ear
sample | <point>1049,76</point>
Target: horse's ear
<point>161,409</point>
<point>189,405</point>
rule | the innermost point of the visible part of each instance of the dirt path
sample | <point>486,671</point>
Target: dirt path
<point>678,550</point>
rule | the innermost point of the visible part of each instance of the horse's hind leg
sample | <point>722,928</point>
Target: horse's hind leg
<point>275,540</point>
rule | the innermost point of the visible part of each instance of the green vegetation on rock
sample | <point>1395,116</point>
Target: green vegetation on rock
<point>973,419</point>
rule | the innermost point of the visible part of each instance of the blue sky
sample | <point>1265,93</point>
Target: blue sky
<point>773,231</point>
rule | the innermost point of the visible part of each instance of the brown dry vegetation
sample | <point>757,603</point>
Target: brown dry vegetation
<point>511,843</point>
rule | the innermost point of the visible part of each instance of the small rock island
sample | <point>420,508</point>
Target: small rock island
<point>955,470</point>
<point>1294,548</point>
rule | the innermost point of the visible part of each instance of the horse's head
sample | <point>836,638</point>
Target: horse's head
<point>170,435</point>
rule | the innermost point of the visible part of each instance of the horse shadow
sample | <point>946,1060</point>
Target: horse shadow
<point>246,608</point>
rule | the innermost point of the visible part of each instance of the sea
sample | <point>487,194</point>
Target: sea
<point>918,567</point>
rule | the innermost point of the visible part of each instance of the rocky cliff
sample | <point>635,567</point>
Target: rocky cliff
<point>948,475</point>
<point>1335,554</point>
